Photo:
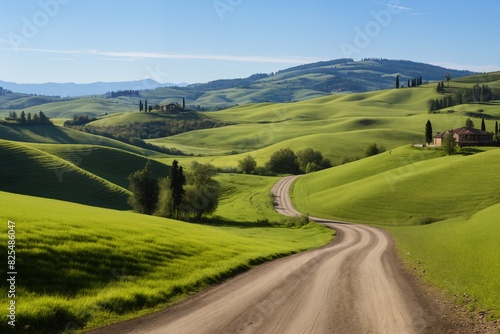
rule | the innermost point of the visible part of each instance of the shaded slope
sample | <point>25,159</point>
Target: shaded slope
<point>108,163</point>
<point>30,171</point>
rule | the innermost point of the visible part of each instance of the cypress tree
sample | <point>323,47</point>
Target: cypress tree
<point>183,103</point>
<point>397,82</point>
<point>177,182</point>
<point>141,106</point>
<point>22,119</point>
<point>483,125</point>
<point>145,105</point>
<point>496,127</point>
<point>428,132</point>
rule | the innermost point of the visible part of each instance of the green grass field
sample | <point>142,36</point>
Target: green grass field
<point>30,171</point>
<point>442,211</point>
<point>81,266</point>
<point>460,256</point>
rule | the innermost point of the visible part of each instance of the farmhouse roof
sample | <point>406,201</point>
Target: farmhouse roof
<point>462,131</point>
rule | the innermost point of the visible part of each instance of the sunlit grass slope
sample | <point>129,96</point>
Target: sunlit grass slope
<point>246,198</point>
<point>81,266</point>
<point>460,256</point>
<point>60,135</point>
<point>94,107</point>
<point>338,126</point>
<point>442,211</point>
<point>30,171</point>
<point>402,187</point>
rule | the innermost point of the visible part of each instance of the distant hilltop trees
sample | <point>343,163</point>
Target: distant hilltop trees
<point>476,94</point>
<point>29,119</point>
<point>129,93</point>
<point>415,82</point>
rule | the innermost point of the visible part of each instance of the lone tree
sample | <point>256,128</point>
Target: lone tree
<point>373,149</point>
<point>483,125</point>
<point>177,182</point>
<point>397,82</point>
<point>428,132</point>
<point>248,164</point>
<point>202,192</point>
<point>469,123</point>
<point>449,143</point>
<point>448,78</point>
<point>145,189</point>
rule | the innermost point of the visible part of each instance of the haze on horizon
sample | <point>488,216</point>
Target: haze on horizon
<point>175,41</point>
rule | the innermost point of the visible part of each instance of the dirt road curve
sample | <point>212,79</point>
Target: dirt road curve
<point>354,285</point>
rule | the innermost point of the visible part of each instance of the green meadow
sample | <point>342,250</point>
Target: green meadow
<point>81,266</point>
<point>86,260</point>
<point>442,211</point>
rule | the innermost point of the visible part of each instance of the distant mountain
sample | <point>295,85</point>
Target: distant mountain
<point>73,89</point>
<point>341,75</point>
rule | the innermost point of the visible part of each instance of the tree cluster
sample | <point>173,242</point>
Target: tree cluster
<point>130,93</point>
<point>286,161</point>
<point>373,149</point>
<point>29,119</point>
<point>440,87</point>
<point>155,128</point>
<point>479,93</point>
<point>415,82</point>
<point>79,120</point>
<point>183,196</point>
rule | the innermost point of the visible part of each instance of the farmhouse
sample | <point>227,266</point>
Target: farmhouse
<point>466,137</point>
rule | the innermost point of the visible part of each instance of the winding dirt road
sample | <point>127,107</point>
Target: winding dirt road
<point>354,285</point>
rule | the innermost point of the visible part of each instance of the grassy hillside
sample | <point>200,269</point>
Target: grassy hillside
<point>60,135</point>
<point>30,171</point>
<point>246,199</point>
<point>438,207</point>
<point>460,256</point>
<point>402,187</point>
<point>90,106</point>
<point>81,267</point>
<point>108,163</point>
<point>338,126</point>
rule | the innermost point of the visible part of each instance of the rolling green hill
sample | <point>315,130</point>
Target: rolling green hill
<point>81,267</point>
<point>438,207</point>
<point>61,135</point>
<point>110,164</point>
<point>30,171</point>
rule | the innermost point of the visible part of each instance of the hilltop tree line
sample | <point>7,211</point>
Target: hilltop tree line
<point>29,119</point>
<point>130,93</point>
<point>286,161</point>
<point>157,128</point>
<point>479,93</point>
<point>186,196</point>
<point>415,82</point>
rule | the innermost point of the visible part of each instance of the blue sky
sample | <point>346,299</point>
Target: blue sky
<point>201,40</point>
